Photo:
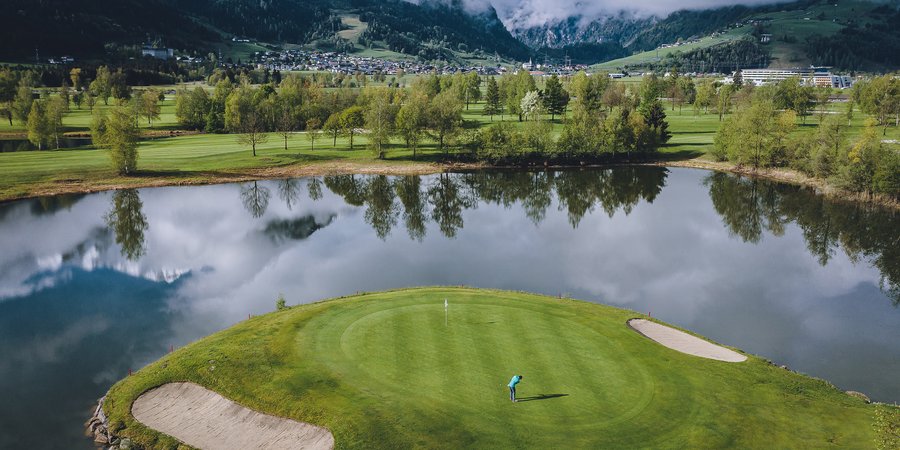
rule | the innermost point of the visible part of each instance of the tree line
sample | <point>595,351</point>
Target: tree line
<point>606,120</point>
<point>760,134</point>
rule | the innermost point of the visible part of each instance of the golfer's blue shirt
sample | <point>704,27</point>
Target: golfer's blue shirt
<point>515,380</point>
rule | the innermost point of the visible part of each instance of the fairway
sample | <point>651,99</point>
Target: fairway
<point>395,370</point>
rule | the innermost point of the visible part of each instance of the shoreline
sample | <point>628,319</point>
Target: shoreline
<point>781,175</point>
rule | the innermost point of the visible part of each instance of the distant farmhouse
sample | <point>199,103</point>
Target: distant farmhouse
<point>157,52</point>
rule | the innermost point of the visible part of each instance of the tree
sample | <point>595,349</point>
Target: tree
<point>755,135</point>
<point>149,105</point>
<point>333,127</point>
<point>412,119</point>
<point>444,117</point>
<point>531,105</point>
<point>252,131</point>
<point>492,105</point>
<point>191,107</point>
<point>555,98</point>
<point>118,86</point>
<point>880,97</point>
<point>117,131</point>
<point>705,97</point>
<point>312,131</point>
<point>102,84</point>
<point>686,91</point>
<point>65,95</point>
<point>286,124</point>
<point>75,76</point>
<point>723,100</point>
<point>863,158</point>
<point>120,136</point>
<point>655,117</point>
<point>55,108</point>
<point>589,90</point>
<point>21,106</point>
<point>671,83</point>
<point>793,94</point>
<point>38,129</point>
<point>823,94</point>
<point>380,117</point>
<point>8,84</point>
<point>472,88</point>
<point>352,119</point>
<point>738,80</point>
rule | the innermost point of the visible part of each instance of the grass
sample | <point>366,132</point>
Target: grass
<point>355,27</point>
<point>210,158</point>
<point>385,371</point>
<point>78,120</point>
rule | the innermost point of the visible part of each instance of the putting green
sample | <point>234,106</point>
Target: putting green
<point>394,369</point>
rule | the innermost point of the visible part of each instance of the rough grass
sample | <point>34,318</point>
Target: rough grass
<point>386,371</point>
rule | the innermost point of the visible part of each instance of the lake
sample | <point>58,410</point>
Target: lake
<point>94,285</point>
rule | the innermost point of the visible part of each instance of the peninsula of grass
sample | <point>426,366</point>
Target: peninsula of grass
<point>391,370</point>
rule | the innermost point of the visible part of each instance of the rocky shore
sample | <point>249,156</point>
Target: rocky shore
<point>97,428</point>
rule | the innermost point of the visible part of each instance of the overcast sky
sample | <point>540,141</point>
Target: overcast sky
<point>529,13</point>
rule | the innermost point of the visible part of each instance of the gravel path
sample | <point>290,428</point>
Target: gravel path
<point>683,342</point>
<point>204,419</point>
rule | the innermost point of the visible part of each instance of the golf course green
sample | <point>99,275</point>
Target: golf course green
<point>394,370</point>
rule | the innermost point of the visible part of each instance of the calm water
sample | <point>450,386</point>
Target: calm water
<point>93,285</point>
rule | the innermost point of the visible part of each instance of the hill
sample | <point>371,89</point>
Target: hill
<point>91,28</point>
<point>845,34</point>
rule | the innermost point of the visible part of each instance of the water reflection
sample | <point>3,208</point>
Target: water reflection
<point>448,196</point>
<point>128,222</point>
<point>93,285</point>
<point>256,198</point>
<point>749,206</point>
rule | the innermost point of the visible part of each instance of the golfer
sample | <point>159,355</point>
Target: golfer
<point>512,386</point>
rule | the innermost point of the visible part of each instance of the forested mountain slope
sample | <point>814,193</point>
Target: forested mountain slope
<point>85,27</point>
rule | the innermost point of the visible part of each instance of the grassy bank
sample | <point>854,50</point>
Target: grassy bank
<point>388,370</point>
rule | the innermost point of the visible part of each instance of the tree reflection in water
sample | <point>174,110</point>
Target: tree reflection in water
<point>128,222</point>
<point>749,207</point>
<point>255,198</point>
<point>443,199</point>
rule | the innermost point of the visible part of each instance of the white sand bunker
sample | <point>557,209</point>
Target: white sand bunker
<point>683,342</point>
<point>204,419</point>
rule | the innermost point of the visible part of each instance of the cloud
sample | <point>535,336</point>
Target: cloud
<point>519,14</point>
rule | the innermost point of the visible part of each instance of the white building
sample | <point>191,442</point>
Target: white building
<point>760,77</point>
<point>813,76</point>
<point>158,53</point>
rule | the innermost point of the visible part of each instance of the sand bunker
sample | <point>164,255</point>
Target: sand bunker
<point>204,419</point>
<point>683,342</point>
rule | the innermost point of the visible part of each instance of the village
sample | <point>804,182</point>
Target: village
<point>346,63</point>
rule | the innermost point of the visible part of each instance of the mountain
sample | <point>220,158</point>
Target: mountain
<point>620,28</point>
<point>845,34</point>
<point>88,27</point>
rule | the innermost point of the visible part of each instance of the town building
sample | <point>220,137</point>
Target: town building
<point>157,52</point>
<point>812,76</point>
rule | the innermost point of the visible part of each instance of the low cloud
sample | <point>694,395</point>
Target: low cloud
<point>519,14</point>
